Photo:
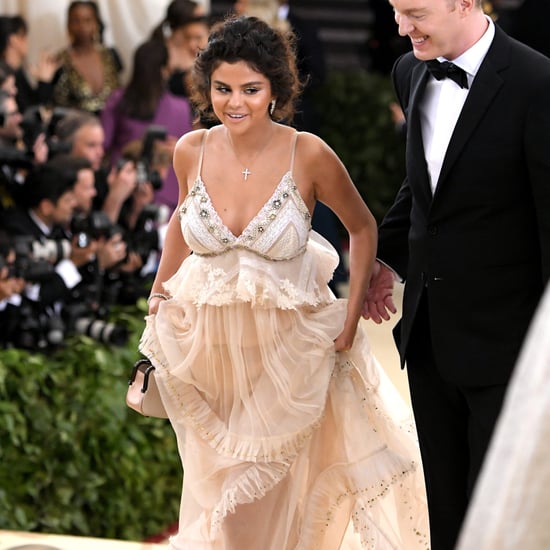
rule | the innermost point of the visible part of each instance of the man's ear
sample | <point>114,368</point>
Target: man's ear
<point>466,6</point>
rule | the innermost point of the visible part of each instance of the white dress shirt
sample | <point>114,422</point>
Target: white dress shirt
<point>443,101</point>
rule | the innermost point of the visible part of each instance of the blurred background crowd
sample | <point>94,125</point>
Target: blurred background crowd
<point>88,125</point>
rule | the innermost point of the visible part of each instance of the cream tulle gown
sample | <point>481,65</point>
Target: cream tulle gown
<point>285,444</point>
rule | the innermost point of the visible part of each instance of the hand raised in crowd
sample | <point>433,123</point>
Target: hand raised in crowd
<point>143,195</point>
<point>46,66</point>
<point>379,302</point>
<point>122,182</point>
<point>40,149</point>
<point>81,255</point>
<point>132,263</point>
<point>111,252</point>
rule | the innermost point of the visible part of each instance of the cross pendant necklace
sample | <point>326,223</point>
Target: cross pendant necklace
<point>246,172</point>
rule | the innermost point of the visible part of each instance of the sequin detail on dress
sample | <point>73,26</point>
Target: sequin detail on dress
<point>279,231</point>
<point>305,448</point>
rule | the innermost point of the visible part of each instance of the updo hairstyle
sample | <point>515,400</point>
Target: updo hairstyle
<point>265,49</point>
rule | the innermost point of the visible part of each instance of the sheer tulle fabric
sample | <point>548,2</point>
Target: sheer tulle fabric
<point>285,444</point>
<point>283,441</point>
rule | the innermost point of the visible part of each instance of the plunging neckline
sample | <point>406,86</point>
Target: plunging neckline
<point>200,182</point>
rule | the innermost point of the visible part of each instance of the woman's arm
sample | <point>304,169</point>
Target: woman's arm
<point>333,186</point>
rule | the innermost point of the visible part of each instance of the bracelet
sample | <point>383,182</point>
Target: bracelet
<point>157,295</point>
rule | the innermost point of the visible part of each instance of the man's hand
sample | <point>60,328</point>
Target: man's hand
<point>379,303</point>
<point>111,252</point>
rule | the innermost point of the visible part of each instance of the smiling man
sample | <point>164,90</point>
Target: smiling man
<point>469,233</point>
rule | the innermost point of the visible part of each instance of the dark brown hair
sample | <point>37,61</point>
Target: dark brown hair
<point>265,49</point>
<point>147,83</point>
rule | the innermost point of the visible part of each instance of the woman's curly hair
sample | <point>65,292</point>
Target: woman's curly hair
<point>265,49</point>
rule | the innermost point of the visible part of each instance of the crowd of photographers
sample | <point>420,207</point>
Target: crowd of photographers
<point>76,237</point>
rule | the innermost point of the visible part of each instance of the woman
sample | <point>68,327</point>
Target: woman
<point>281,412</point>
<point>89,70</point>
<point>144,102</point>
<point>185,31</point>
<point>14,45</point>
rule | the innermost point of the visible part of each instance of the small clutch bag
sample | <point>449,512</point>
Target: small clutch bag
<point>143,394</point>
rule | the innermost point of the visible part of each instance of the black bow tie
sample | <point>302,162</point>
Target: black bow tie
<point>446,69</point>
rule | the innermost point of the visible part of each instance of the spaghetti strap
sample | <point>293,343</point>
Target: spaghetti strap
<point>293,151</point>
<point>201,154</point>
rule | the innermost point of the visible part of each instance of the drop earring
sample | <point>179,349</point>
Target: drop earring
<point>272,106</point>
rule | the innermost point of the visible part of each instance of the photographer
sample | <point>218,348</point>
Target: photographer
<point>16,159</point>
<point>142,217</point>
<point>83,135</point>
<point>109,247</point>
<point>46,208</point>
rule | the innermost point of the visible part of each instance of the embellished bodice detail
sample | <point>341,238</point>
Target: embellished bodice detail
<point>279,231</point>
<point>277,261</point>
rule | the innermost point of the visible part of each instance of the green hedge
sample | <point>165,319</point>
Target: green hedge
<point>356,122</point>
<point>74,459</point>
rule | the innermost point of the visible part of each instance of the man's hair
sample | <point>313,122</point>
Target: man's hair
<point>46,182</point>
<point>68,126</point>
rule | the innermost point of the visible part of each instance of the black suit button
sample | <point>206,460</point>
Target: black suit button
<point>433,230</point>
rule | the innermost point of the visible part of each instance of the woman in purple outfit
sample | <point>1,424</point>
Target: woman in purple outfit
<point>144,102</point>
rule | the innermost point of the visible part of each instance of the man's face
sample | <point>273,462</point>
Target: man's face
<point>63,210</point>
<point>436,28</point>
<point>85,190</point>
<point>88,143</point>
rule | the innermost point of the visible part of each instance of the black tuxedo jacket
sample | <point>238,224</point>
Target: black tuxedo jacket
<point>480,246</point>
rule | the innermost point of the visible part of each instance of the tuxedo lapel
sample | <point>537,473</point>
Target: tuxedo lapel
<point>416,158</point>
<point>485,86</point>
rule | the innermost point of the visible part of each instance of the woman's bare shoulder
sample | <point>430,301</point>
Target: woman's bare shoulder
<point>312,148</point>
<point>191,140</point>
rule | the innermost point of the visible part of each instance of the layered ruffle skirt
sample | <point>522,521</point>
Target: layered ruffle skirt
<point>285,444</point>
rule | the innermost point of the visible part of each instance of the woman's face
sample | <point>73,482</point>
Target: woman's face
<point>195,36</point>
<point>20,42</point>
<point>82,24</point>
<point>240,96</point>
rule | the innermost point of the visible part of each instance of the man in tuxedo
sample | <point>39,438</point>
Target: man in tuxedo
<point>469,233</point>
<point>47,208</point>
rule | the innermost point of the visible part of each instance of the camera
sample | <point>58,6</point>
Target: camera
<point>37,120</point>
<point>26,265</point>
<point>92,227</point>
<point>145,173</point>
<point>144,238</point>
<point>102,331</point>
<point>49,250</point>
<point>80,318</point>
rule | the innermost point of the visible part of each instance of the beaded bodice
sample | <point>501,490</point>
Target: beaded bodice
<point>279,231</point>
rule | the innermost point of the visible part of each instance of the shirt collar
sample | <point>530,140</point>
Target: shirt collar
<point>472,58</point>
<point>42,225</point>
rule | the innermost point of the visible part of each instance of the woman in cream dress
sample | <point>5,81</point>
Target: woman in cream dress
<point>289,433</point>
